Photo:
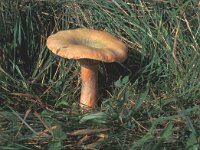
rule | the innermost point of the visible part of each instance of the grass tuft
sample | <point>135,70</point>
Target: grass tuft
<point>151,101</point>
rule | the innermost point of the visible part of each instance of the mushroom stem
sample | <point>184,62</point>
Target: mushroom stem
<point>89,77</point>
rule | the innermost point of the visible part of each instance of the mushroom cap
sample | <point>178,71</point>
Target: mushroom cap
<point>87,44</point>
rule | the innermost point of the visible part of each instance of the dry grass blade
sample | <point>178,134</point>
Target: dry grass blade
<point>174,45</point>
<point>44,132</point>
<point>26,115</point>
<point>49,129</point>
<point>94,144</point>
<point>88,131</point>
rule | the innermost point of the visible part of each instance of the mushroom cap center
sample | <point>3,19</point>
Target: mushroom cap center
<point>88,43</point>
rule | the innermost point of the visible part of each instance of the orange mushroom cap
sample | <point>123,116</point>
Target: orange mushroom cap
<point>87,44</point>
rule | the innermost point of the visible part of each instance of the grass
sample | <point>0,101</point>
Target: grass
<point>151,101</point>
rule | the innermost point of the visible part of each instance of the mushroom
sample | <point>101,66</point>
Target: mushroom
<point>89,47</point>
